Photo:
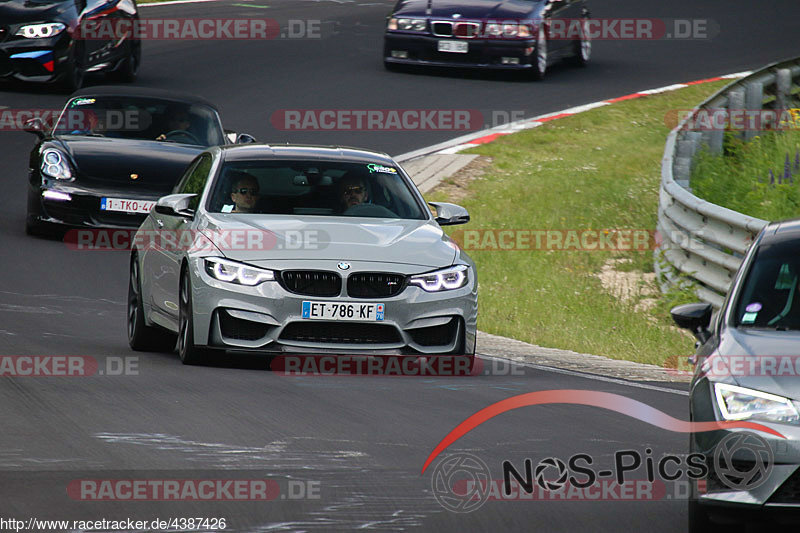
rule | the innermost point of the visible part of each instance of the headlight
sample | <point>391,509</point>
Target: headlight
<point>739,403</point>
<point>494,30</point>
<point>54,164</point>
<point>40,31</point>
<point>233,272</point>
<point>524,31</point>
<point>407,24</point>
<point>442,280</point>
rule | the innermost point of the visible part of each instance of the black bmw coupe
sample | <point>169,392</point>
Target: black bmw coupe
<point>493,34</point>
<point>113,152</point>
<point>46,41</point>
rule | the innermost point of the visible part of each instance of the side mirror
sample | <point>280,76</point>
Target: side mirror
<point>245,138</point>
<point>449,214</point>
<point>36,126</point>
<point>175,205</point>
<point>694,317</point>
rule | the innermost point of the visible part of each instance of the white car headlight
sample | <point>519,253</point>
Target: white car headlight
<point>55,165</point>
<point>233,272</point>
<point>446,279</point>
<point>739,403</point>
<point>407,24</point>
<point>40,31</point>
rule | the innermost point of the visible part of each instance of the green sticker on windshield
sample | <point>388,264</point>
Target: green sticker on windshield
<point>372,167</point>
<point>749,318</point>
<point>83,101</point>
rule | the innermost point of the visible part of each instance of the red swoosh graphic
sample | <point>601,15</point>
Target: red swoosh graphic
<point>604,400</point>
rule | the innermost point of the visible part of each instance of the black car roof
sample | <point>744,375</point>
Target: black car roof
<point>162,94</point>
<point>243,152</point>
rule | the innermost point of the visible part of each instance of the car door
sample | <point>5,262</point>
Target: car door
<point>564,11</point>
<point>175,238</point>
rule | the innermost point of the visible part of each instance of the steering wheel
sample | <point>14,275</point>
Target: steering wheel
<point>178,133</point>
<point>369,210</point>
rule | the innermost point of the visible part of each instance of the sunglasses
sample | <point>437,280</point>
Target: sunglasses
<point>245,190</point>
<point>353,190</point>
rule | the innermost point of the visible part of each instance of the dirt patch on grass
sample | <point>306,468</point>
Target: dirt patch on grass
<point>631,286</point>
<point>456,186</point>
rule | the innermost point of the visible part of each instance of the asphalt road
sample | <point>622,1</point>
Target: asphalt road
<point>359,442</point>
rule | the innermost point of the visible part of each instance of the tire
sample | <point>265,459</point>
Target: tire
<point>127,71</point>
<point>74,74</point>
<point>188,352</point>
<point>141,337</point>
<point>699,521</point>
<point>34,228</point>
<point>539,70</point>
<point>583,46</point>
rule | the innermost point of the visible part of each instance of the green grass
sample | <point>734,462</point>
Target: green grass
<point>599,169</point>
<point>740,179</point>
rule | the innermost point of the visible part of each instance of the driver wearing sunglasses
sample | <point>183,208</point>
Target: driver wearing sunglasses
<point>352,191</point>
<point>245,193</point>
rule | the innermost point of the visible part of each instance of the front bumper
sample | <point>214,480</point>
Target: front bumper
<point>779,493</point>
<point>482,53</point>
<point>267,318</point>
<point>34,60</point>
<point>82,209</point>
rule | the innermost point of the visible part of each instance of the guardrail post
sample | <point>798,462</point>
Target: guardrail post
<point>736,102</point>
<point>754,98</point>
<point>716,135</point>
<point>783,86</point>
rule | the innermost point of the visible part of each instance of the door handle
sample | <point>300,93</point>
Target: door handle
<point>160,223</point>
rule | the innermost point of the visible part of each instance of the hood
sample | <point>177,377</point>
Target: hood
<point>764,348</point>
<point>21,11</point>
<point>410,242</point>
<point>469,9</point>
<point>102,161</point>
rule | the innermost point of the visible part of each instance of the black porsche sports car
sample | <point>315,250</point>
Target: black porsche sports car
<point>113,152</point>
<point>46,41</point>
<point>494,34</point>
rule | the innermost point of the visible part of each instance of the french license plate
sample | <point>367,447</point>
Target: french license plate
<point>343,311</point>
<point>126,206</point>
<point>459,47</point>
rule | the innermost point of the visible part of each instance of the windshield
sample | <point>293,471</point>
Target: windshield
<point>126,117</point>
<point>314,188</point>
<point>770,296</point>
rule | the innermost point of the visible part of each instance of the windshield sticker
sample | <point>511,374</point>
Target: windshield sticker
<point>372,167</point>
<point>83,101</point>
<point>227,208</point>
<point>753,307</point>
<point>749,318</point>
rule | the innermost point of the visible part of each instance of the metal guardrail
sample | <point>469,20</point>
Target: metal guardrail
<point>702,241</point>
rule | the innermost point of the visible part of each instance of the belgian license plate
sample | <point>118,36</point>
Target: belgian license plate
<point>343,311</point>
<point>459,47</point>
<point>124,205</point>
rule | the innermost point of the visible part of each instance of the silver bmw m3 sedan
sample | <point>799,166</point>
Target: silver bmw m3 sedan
<point>300,249</point>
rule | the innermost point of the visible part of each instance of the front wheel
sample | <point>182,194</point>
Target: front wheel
<point>540,64</point>
<point>74,70</point>
<point>141,337</point>
<point>189,353</point>
<point>129,68</point>
<point>582,52</point>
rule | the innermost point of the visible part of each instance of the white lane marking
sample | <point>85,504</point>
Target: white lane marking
<point>664,89</point>
<point>591,376</point>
